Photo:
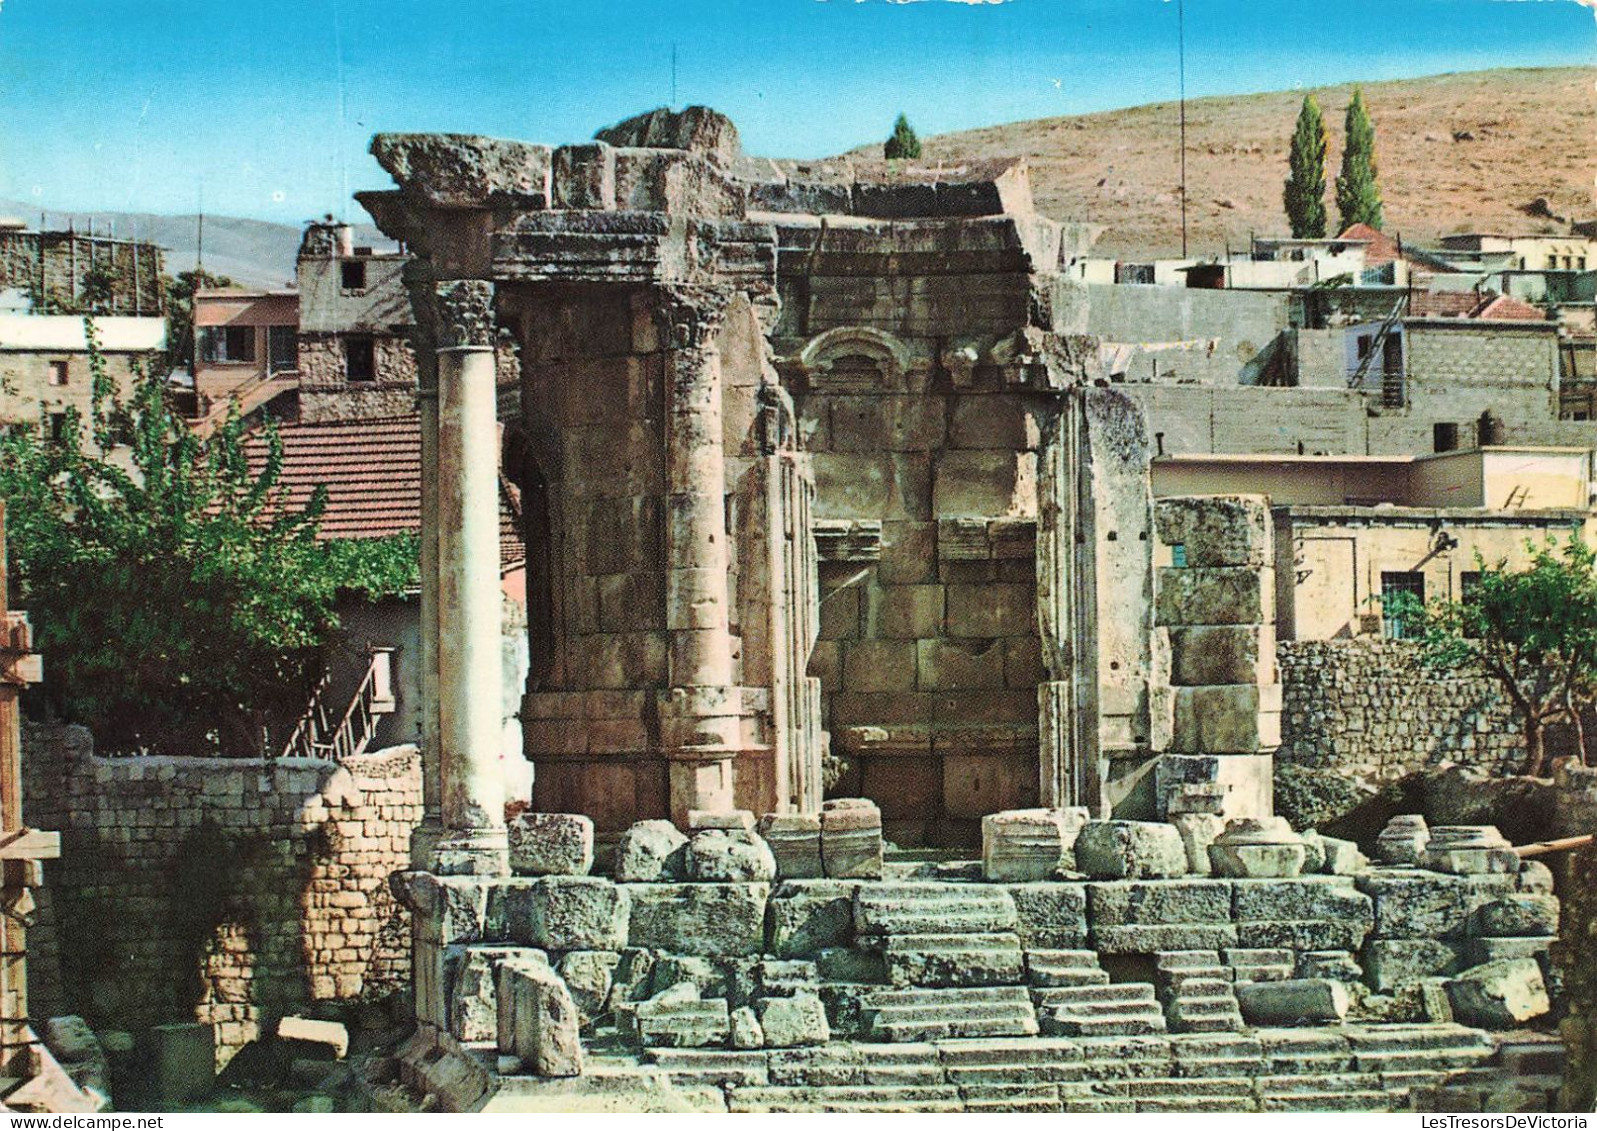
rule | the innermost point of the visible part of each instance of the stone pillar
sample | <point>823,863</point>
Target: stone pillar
<point>701,724</point>
<point>467,469</point>
<point>424,840</point>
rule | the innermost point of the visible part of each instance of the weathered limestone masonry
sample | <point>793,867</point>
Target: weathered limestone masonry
<point>228,891</point>
<point>54,266</point>
<point>1370,709</point>
<point>1117,981</point>
<point>689,322</point>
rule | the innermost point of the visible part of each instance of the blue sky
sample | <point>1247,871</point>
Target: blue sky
<point>131,104</point>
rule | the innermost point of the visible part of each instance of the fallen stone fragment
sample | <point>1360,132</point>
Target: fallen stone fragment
<point>551,844</point>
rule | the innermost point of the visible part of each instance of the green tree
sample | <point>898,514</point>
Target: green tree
<point>1533,630</point>
<point>179,602</point>
<point>1305,186</point>
<point>903,144</point>
<point>180,314</point>
<point>1358,192</point>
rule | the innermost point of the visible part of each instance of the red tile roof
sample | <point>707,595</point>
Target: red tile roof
<point>1379,247</point>
<point>1506,306</point>
<point>372,472</point>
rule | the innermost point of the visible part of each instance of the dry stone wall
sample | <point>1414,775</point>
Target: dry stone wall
<point>1369,708</point>
<point>228,891</point>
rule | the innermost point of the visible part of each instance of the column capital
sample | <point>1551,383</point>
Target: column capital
<point>465,314</point>
<point>689,316</point>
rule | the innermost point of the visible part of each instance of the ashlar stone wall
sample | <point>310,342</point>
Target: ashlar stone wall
<point>228,891</point>
<point>1370,708</point>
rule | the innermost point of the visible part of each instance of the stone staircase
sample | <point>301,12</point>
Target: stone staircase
<point>933,1014</point>
<point>1075,998</point>
<point>1198,992</point>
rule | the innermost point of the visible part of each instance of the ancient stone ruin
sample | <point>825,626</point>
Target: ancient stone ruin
<point>824,494</point>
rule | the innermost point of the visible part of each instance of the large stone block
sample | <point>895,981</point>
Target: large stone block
<point>1257,847</point>
<point>851,839</point>
<point>560,913</point>
<point>474,988</point>
<point>183,1062</point>
<point>985,483</point>
<point>1403,840</point>
<point>1210,596</point>
<point>1218,530</point>
<point>1023,845</point>
<point>699,919</point>
<point>1238,718</point>
<point>1499,995</point>
<point>1469,850</point>
<point>793,1022</point>
<point>986,611</point>
<point>1244,782</point>
<point>1390,964</point>
<point>675,1018</point>
<point>1303,897</point>
<point>729,856</point>
<point>1297,1001</point>
<point>551,844</point>
<point>1150,938</point>
<point>1050,916</point>
<point>795,843</point>
<point>940,961</point>
<point>651,852</point>
<point>1130,850</point>
<point>590,976</point>
<point>808,917</point>
<point>1159,902</point>
<point>1201,655</point>
<point>1521,914</point>
<point>538,1021</point>
<point>1427,905</point>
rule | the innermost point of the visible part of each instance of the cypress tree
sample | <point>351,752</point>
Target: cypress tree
<point>903,143</point>
<point>1358,195</point>
<point>1305,187</point>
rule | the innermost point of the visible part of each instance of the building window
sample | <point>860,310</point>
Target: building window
<point>1400,589</point>
<point>352,275</point>
<point>1580,263</point>
<point>58,373</point>
<point>1552,263</point>
<point>58,427</point>
<point>360,359</point>
<point>227,343</point>
<point>282,348</point>
<point>1444,437</point>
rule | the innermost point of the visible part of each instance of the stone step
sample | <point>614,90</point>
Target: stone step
<point>1014,1073</point>
<point>1205,1105</point>
<point>919,1015</point>
<point>1118,993</point>
<point>717,1067</point>
<point>1204,1066</point>
<point>1199,987</point>
<point>932,908</point>
<point>1288,1085</point>
<point>1261,965</point>
<point>750,1100</point>
<point>1410,1038</point>
<point>941,960</point>
<point>1031,1051</point>
<point>1418,1059</point>
<point>1334,1101</point>
<point>1005,1098</point>
<point>1119,1023</point>
<point>1164,1087</point>
<point>1168,961</point>
<point>1064,968</point>
<point>1204,1014</point>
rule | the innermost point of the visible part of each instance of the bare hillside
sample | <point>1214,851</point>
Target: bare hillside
<point>1456,152</point>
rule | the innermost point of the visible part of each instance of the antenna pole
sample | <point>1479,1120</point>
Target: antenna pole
<point>1181,64</point>
<point>673,76</point>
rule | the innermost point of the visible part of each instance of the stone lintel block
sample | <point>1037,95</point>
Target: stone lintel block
<point>1520,914</point>
<point>1414,904</point>
<point>1130,850</point>
<point>1218,530</point>
<point>795,842</point>
<point>988,483</point>
<point>851,839</point>
<point>707,920</point>
<point>1215,595</point>
<point>1201,655</point>
<point>1296,1001</point>
<point>551,844</point>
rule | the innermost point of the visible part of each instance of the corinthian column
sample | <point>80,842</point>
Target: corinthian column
<point>468,599</point>
<point>701,734</point>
